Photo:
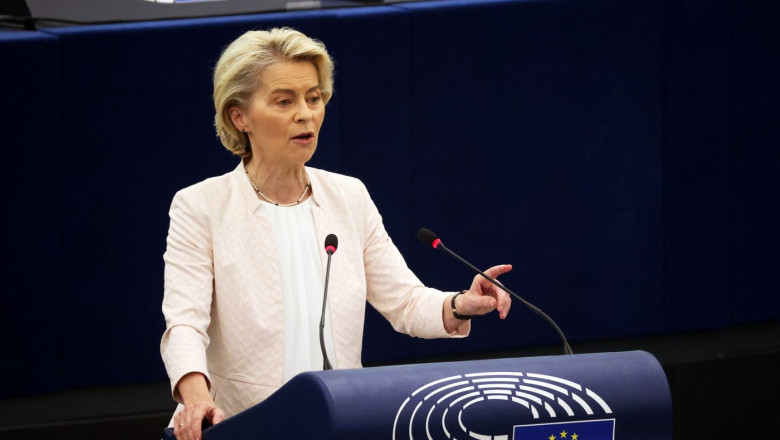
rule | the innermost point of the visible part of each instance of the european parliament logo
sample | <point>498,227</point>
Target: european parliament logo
<point>504,405</point>
<point>580,430</point>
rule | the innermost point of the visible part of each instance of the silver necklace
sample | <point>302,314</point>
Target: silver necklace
<point>270,200</point>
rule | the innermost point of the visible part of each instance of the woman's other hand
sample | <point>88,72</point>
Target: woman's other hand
<point>199,408</point>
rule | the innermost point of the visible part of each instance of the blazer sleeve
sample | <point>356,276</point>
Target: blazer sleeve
<point>189,281</point>
<point>394,290</point>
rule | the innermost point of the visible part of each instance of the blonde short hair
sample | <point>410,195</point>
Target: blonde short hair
<point>237,73</point>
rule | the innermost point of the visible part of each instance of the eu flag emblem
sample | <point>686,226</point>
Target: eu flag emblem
<point>580,430</point>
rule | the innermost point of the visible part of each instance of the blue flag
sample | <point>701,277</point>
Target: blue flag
<point>580,430</point>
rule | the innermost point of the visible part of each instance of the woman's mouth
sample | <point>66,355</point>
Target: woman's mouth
<point>304,137</point>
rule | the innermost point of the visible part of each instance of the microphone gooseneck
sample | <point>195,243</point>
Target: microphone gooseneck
<point>427,237</point>
<point>331,244</point>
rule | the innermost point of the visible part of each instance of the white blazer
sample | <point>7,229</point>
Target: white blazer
<point>223,302</point>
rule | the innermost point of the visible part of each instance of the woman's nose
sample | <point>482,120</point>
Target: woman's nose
<point>303,112</point>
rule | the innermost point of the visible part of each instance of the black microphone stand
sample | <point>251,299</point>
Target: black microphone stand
<point>330,247</point>
<point>566,348</point>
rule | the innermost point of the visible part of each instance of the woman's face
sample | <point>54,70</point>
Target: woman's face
<point>285,115</point>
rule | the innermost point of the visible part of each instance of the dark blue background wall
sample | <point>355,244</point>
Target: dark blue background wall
<point>621,155</point>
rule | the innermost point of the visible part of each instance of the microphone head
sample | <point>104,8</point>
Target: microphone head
<point>331,243</point>
<point>427,237</point>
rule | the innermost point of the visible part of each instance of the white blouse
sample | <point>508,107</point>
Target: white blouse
<point>303,282</point>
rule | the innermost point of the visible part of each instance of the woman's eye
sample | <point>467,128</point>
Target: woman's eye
<point>284,102</point>
<point>315,99</point>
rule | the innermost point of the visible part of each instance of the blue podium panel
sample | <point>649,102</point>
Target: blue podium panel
<point>30,214</point>
<point>583,397</point>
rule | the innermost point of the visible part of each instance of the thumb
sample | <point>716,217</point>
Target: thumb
<point>476,304</point>
<point>217,415</point>
<point>483,301</point>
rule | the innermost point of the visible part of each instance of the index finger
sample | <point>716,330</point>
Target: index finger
<point>495,271</point>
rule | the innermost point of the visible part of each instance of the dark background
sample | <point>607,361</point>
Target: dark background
<point>621,155</point>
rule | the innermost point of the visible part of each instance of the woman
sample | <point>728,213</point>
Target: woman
<point>244,265</point>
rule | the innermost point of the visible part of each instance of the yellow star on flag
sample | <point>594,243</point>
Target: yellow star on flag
<point>563,434</point>
<point>552,437</point>
<point>574,436</point>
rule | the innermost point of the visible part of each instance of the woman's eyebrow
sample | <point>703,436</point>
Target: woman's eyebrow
<point>293,92</point>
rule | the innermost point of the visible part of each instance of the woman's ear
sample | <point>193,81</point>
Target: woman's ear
<point>237,116</point>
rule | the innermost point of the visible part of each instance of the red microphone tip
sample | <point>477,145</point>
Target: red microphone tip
<point>436,243</point>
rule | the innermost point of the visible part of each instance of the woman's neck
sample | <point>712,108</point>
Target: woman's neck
<point>278,184</point>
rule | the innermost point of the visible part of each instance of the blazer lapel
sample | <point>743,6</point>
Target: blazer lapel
<point>263,277</point>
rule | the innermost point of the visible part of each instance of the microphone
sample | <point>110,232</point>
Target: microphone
<point>427,237</point>
<point>331,243</point>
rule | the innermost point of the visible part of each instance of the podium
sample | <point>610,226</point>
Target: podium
<point>576,397</point>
